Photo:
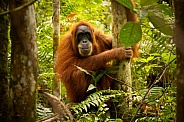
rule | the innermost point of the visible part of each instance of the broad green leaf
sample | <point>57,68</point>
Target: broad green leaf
<point>91,87</point>
<point>83,70</point>
<point>148,2</point>
<point>160,24</point>
<point>126,3</point>
<point>165,9</point>
<point>130,34</point>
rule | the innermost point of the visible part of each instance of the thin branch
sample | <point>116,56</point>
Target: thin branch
<point>18,8</point>
<point>123,83</point>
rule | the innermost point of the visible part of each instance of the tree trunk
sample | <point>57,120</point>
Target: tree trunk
<point>4,87</point>
<point>179,36</point>
<point>124,73</point>
<point>56,37</point>
<point>23,62</point>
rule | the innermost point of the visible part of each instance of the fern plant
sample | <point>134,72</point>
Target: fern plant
<point>94,107</point>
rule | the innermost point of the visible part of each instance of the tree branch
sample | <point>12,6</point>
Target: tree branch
<point>18,8</point>
<point>58,105</point>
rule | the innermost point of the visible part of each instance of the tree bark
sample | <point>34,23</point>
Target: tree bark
<point>56,37</point>
<point>23,62</point>
<point>4,87</point>
<point>124,73</point>
<point>179,36</point>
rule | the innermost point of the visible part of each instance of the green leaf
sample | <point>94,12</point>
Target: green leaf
<point>91,87</point>
<point>97,1</point>
<point>167,57</point>
<point>160,24</point>
<point>126,3</point>
<point>165,9</point>
<point>148,2</point>
<point>130,34</point>
<point>150,58</point>
<point>96,102</point>
<point>83,70</point>
<point>92,103</point>
<point>95,96</point>
<point>147,68</point>
<point>85,108</point>
<point>106,109</point>
<point>99,77</point>
<point>80,108</point>
<point>88,104</point>
<point>156,89</point>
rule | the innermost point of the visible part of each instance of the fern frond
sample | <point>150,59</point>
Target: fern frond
<point>96,99</point>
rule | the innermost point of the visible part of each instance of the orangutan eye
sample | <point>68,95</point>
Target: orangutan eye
<point>80,36</point>
<point>88,35</point>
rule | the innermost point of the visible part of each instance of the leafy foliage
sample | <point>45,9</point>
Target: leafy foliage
<point>158,58</point>
<point>157,50</point>
<point>158,106</point>
<point>148,2</point>
<point>43,111</point>
<point>160,24</point>
<point>126,3</point>
<point>44,32</point>
<point>130,34</point>
<point>94,107</point>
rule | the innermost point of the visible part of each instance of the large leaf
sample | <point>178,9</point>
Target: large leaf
<point>148,2</point>
<point>165,9</point>
<point>126,3</point>
<point>130,34</point>
<point>83,70</point>
<point>160,24</point>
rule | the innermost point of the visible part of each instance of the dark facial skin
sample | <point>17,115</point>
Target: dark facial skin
<point>84,40</point>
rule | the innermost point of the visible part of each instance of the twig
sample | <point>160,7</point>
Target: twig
<point>123,83</point>
<point>18,8</point>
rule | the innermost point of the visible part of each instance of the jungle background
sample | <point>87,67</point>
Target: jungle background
<point>153,74</point>
<point>156,48</point>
